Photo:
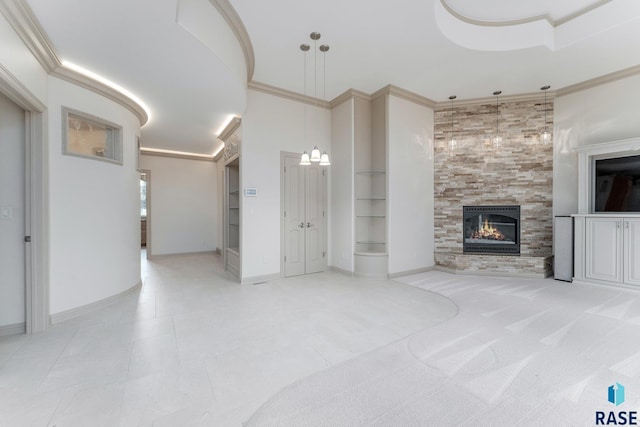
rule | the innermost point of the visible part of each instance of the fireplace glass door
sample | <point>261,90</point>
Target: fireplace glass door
<point>492,229</point>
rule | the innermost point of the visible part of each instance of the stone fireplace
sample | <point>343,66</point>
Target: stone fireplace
<point>478,174</point>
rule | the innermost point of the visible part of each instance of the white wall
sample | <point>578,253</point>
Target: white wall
<point>12,230</point>
<point>410,195</point>
<point>184,205</point>
<point>94,207</point>
<point>342,197</point>
<point>270,125</point>
<point>601,114</point>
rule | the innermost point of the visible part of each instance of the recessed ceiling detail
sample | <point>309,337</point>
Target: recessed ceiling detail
<point>502,25</point>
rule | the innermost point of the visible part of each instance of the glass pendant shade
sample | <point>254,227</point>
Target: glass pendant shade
<point>497,140</point>
<point>304,160</point>
<point>452,144</point>
<point>546,137</point>
<point>315,154</point>
<point>324,159</point>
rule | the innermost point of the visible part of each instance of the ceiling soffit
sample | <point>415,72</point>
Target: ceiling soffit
<point>503,34</point>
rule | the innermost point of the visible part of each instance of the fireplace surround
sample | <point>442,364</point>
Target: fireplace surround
<point>491,230</point>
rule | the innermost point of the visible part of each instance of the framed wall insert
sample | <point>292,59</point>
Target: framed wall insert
<point>91,137</point>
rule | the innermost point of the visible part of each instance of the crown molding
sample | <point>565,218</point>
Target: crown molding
<point>18,93</point>
<point>183,156</point>
<point>544,17</point>
<point>404,94</point>
<point>232,18</point>
<point>347,95</point>
<point>103,90</point>
<point>534,96</point>
<point>407,95</point>
<point>287,94</point>
<point>598,81</point>
<point>26,25</point>
<point>231,127</point>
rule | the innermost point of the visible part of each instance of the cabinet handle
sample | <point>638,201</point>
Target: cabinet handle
<point>617,224</point>
<point>301,225</point>
<point>309,225</point>
<point>626,225</point>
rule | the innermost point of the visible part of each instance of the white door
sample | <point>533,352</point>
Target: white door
<point>12,218</point>
<point>632,251</point>
<point>314,217</point>
<point>304,218</point>
<point>604,249</point>
<point>294,218</point>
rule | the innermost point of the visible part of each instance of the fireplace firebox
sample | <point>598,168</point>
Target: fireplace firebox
<point>491,230</point>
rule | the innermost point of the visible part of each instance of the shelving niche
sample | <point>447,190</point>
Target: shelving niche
<point>370,185</point>
<point>232,198</point>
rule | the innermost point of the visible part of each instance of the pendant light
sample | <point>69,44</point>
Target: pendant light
<point>315,157</point>
<point>304,47</point>
<point>497,139</point>
<point>546,135</point>
<point>452,141</point>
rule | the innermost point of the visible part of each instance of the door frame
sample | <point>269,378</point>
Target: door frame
<point>283,156</point>
<point>148,226</point>
<point>36,202</point>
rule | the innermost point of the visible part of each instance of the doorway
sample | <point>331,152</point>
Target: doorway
<point>145,212</point>
<point>303,216</point>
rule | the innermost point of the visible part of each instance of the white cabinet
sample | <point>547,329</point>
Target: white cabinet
<point>604,247</point>
<point>607,249</point>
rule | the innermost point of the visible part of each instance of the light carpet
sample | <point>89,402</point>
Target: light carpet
<point>521,352</point>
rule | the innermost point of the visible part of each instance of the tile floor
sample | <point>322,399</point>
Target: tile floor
<point>195,348</point>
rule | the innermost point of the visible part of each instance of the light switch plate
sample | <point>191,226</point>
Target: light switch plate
<point>5,212</point>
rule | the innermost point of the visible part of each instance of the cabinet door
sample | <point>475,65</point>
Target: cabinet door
<point>632,251</point>
<point>604,249</point>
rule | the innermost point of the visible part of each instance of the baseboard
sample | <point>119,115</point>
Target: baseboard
<point>490,273</point>
<point>341,270</point>
<point>160,256</point>
<point>89,308</point>
<point>15,329</point>
<point>260,279</point>
<point>410,272</point>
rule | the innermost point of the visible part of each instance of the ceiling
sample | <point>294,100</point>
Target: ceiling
<point>180,58</point>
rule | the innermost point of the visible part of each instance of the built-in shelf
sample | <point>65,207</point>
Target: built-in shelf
<point>378,172</point>
<point>370,253</point>
<point>370,188</point>
<point>232,217</point>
